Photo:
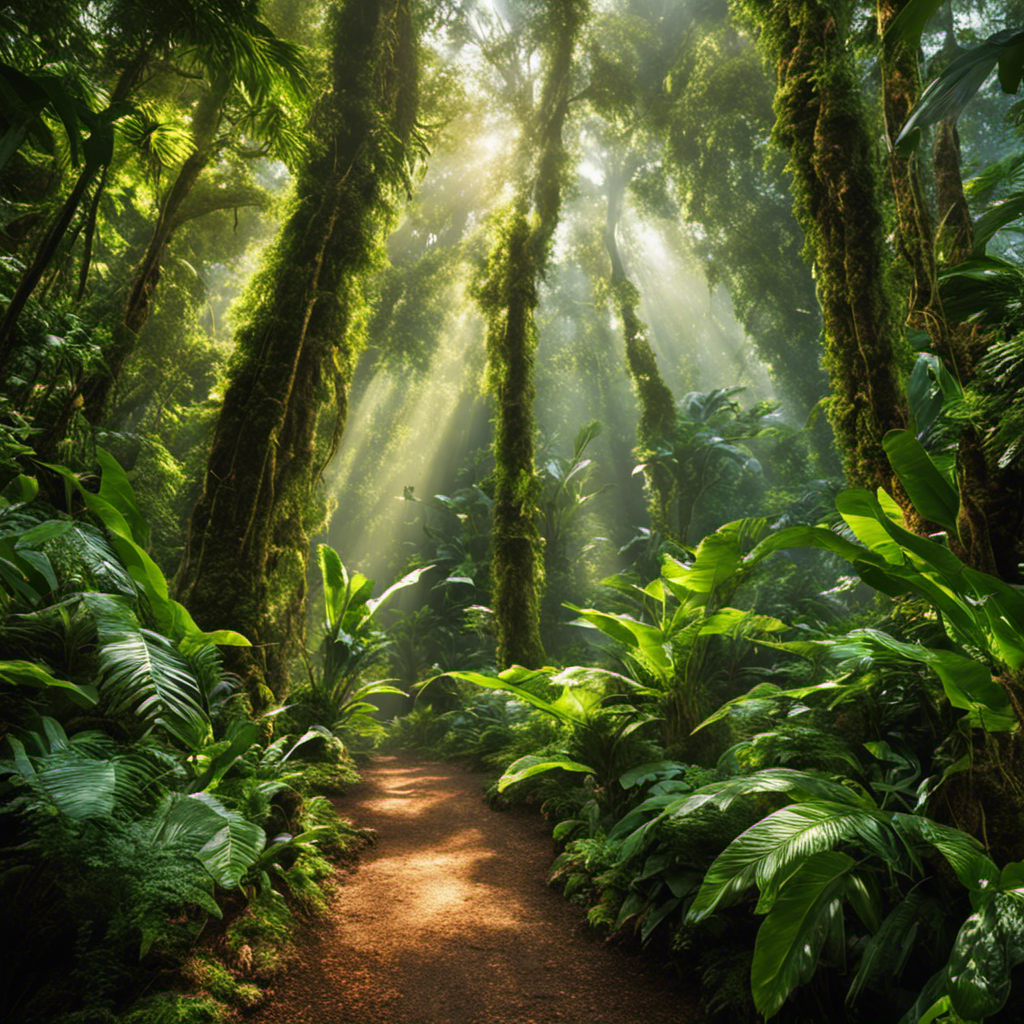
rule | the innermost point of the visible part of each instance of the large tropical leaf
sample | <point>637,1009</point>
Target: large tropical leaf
<point>225,843</point>
<point>143,673</point>
<point>75,784</point>
<point>806,914</point>
<point>987,948</point>
<point>530,765</point>
<point>768,852</point>
<point>953,89</point>
<point>31,674</point>
<point>933,495</point>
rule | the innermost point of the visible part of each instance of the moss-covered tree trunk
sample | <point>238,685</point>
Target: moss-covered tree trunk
<point>923,246</point>
<point>657,405</point>
<point>508,294</point>
<point>286,398</point>
<point>821,123</point>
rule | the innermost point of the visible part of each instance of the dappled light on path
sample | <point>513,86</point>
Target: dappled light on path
<point>448,920</point>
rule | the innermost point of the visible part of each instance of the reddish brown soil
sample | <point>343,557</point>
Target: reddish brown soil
<point>448,920</point>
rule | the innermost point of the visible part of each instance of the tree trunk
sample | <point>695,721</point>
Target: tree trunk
<point>248,542</point>
<point>820,122</point>
<point>509,297</point>
<point>657,405</point>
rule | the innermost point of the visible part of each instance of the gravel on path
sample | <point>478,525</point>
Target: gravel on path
<point>448,920</point>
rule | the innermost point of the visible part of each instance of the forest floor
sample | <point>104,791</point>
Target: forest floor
<point>447,920</point>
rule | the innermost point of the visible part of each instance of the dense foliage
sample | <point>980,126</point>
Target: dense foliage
<point>671,355</point>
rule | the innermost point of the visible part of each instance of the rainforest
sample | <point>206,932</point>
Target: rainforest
<point>512,511</point>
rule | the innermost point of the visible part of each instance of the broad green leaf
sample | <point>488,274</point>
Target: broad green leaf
<point>232,850</point>
<point>531,764</point>
<point>117,490</point>
<point>932,494</point>
<point>29,673</point>
<point>78,786</point>
<point>408,580</point>
<point>862,513</point>
<point>48,530</point>
<point>790,940</point>
<point>804,537</point>
<point>335,581</point>
<point>243,735</point>
<point>908,25</point>
<point>987,948</point>
<point>771,849</point>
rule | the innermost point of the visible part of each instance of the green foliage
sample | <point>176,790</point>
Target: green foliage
<point>135,790</point>
<point>338,694</point>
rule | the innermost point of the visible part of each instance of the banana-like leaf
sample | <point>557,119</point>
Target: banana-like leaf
<point>768,852</point>
<point>950,92</point>
<point>863,514</point>
<point>964,852</point>
<point>995,218</point>
<point>933,495</point>
<point>968,683</point>
<point>34,675</point>
<point>911,21</point>
<point>511,681</point>
<point>531,764</point>
<point>792,936</point>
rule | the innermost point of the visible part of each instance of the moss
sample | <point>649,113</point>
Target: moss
<point>286,401</point>
<point>173,1008</point>
<point>822,125</point>
<point>507,291</point>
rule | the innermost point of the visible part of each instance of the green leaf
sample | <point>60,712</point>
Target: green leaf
<point>771,849</point>
<point>790,940</point>
<point>987,948</point>
<point>932,494</point>
<point>225,843</point>
<point>117,490</point>
<point>911,21</point>
<point>31,674</point>
<point>863,515</point>
<point>142,672</point>
<point>243,734</point>
<point>531,764</point>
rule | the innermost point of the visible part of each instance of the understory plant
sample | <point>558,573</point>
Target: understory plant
<point>143,807</point>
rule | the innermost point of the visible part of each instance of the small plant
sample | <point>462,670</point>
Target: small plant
<point>338,691</point>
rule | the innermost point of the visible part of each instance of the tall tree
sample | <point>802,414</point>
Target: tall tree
<point>821,122</point>
<point>286,401</point>
<point>508,293</point>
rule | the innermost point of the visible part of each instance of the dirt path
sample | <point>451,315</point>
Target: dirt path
<point>448,920</point>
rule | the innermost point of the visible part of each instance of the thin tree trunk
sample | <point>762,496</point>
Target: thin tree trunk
<point>657,404</point>
<point>917,242</point>
<point>509,297</point>
<point>248,540</point>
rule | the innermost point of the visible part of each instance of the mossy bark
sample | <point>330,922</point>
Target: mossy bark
<point>657,405</point>
<point>821,123</point>
<point>286,398</point>
<point>508,295</point>
<point>922,246</point>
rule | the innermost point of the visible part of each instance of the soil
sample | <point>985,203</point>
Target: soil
<point>447,919</point>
